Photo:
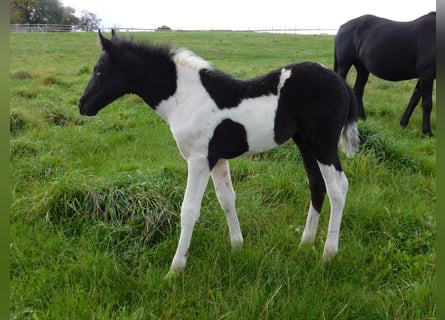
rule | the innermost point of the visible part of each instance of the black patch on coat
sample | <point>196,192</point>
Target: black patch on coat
<point>228,92</point>
<point>150,67</point>
<point>314,105</point>
<point>229,141</point>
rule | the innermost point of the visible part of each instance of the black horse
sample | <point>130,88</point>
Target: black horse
<point>392,51</point>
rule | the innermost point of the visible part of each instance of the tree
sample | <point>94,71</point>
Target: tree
<point>47,11</point>
<point>21,10</point>
<point>89,21</point>
<point>41,11</point>
<point>164,28</point>
<point>69,17</point>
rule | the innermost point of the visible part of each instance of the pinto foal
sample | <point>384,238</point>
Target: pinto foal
<point>214,117</point>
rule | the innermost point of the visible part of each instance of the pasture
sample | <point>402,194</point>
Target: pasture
<point>95,201</point>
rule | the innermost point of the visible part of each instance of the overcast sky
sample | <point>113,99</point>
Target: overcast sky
<point>245,14</point>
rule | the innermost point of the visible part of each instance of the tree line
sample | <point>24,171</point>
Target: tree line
<point>50,12</point>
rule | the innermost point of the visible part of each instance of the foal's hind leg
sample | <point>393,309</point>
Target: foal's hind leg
<point>337,188</point>
<point>318,191</point>
<point>226,196</point>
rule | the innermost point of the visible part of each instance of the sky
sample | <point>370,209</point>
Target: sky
<point>245,14</point>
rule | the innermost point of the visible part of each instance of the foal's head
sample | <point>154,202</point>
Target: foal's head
<point>109,80</point>
<point>127,67</point>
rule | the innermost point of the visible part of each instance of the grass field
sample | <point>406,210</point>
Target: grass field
<point>95,201</point>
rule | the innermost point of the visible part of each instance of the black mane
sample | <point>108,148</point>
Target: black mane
<point>146,48</point>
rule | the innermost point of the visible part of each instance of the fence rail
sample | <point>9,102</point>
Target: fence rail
<point>39,27</point>
<point>82,28</point>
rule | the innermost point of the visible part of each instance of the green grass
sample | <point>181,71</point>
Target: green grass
<point>95,201</point>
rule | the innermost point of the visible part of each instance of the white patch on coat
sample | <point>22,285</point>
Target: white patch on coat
<point>257,115</point>
<point>285,74</point>
<point>189,113</point>
<point>336,188</point>
<point>193,115</point>
<point>310,229</point>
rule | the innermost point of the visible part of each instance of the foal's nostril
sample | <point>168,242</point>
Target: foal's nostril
<point>81,109</point>
<point>85,110</point>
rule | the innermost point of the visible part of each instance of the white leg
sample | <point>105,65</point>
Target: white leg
<point>226,196</point>
<point>310,229</point>
<point>336,187</point>
<point>198,176</point>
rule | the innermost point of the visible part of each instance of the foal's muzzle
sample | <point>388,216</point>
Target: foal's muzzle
<point>85,111</point>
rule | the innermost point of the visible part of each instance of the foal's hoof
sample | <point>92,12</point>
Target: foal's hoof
<point>177,267</point>
<point>329,253</point>
<point>237,245</point>
<point>305,244</point>
<point>171,275</point>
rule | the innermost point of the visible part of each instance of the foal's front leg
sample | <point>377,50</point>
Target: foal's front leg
<point>198,176</point>
<point>226,196</point>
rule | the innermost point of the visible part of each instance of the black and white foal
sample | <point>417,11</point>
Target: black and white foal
<point>214,117</point>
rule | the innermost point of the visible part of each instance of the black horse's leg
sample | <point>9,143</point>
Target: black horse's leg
<point>359,86</point>
<point>411,105</point>
<point>427,105</point>
<point>342,71</point>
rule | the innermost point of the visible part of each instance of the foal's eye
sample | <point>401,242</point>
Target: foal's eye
<point>97,72</point>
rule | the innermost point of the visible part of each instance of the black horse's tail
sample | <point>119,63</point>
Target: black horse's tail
<point>350,138</point>
<point>335,58</point>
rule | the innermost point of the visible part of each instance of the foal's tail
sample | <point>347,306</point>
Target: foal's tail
<point>350,138</point>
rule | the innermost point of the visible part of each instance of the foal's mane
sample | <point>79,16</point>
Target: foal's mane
<point>180,56</point>
<point>145,48</point>
<point>189,59</point>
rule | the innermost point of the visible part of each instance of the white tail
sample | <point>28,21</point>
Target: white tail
<point>349,139</point>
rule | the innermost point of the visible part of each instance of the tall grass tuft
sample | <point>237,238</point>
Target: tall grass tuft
<point>387,152</point>
<point>18,121</point>
<point>21,75</point>
<point>126,210</point>
<point>60,117</point>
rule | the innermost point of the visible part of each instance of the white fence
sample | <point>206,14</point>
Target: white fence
<point>82,28</point>
<point>38,27</point>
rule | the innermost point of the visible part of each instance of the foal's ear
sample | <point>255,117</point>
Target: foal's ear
<point>114,37</point>
<point>106,44</point>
